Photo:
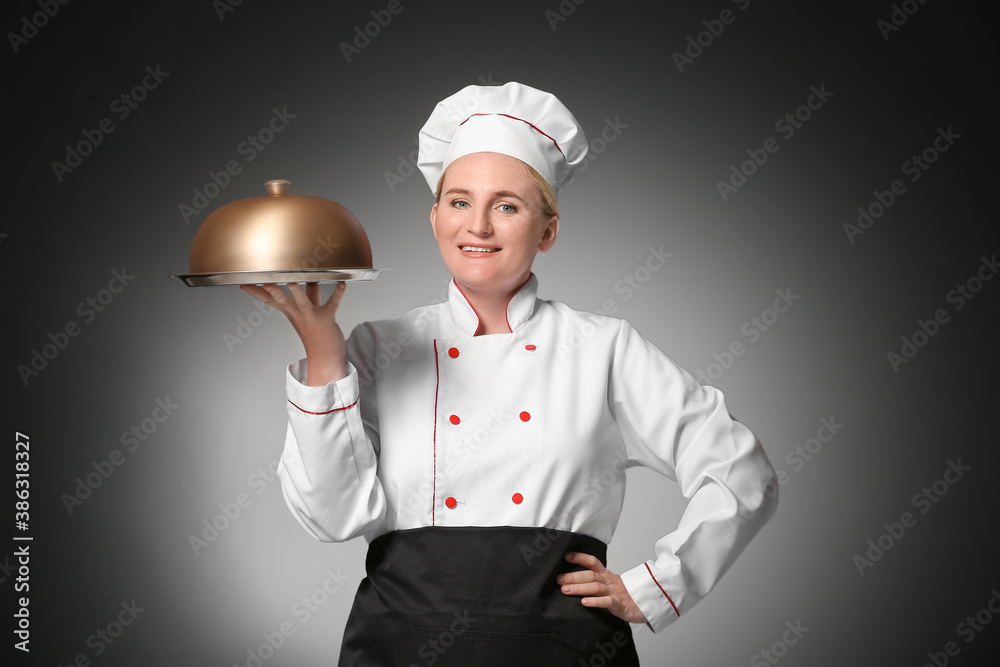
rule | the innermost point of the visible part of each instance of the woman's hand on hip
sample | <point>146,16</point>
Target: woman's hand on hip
<point>601,588</point>
<point>315,323</point>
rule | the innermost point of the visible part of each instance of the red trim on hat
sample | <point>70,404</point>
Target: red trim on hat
<point>533,126</point>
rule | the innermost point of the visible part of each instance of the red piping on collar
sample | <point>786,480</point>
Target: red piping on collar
<point>532,125</point>
<point>506,308</point>
<point>479,320</point>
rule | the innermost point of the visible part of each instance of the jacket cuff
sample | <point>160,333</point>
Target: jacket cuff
<point>324,399</point>
<point>653,600</point>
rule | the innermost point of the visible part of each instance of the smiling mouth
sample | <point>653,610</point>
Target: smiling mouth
<point>472,248</point>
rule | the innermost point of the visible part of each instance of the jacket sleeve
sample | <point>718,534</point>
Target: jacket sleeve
<point>329,466</point>
<point>682,430</point>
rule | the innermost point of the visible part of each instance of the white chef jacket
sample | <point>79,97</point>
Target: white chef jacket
<point>434,426</point>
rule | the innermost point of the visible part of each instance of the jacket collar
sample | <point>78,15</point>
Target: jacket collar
<point>519,309</point>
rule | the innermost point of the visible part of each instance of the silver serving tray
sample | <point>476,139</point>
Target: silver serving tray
<point>322,276</point>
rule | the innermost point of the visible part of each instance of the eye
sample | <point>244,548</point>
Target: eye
<point>508,208</point>
<point>460,203</point>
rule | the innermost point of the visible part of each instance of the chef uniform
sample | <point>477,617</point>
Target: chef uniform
<point>472,464</point>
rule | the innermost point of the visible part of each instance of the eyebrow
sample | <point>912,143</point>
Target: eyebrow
<point>499,193</point>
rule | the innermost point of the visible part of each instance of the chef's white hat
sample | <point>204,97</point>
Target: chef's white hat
<point>513,119</point>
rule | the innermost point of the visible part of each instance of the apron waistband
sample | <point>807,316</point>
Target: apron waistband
<point>479,596</point>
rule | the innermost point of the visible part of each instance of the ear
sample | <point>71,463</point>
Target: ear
<point>434,210</point>
<point>549,234</point>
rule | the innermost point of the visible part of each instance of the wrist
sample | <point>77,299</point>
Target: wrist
<point>324,370</point>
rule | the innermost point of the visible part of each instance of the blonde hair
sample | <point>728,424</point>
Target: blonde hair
<point>550,206</point>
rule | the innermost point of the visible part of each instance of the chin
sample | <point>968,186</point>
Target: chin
<point>492,282</point>
<point>474,276</point>
<point>476,281</point>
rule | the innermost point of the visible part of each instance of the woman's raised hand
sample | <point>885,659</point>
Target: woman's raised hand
<point>315,323</point>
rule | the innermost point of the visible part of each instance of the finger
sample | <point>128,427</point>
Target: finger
<point>279,296</point>
<point>579,577</point>
<point>592,588</point>
<point>267,292</point>
<point>312,292</point>
<point>605,601</point>
<point>337,296</point>
<point>586,560</point>
<point>258,293</point>
<point>301,300</point>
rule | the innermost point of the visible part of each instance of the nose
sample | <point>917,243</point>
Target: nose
<point>479,223</point>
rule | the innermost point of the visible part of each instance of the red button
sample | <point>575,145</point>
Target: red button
<point>454,419</point>
<point>453,352</point>
<point>525,416</point>
<point>529,348</point>
<point>451,502</point>
<point>517,498</point>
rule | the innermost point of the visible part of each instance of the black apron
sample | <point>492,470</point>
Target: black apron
<point>479,597</point>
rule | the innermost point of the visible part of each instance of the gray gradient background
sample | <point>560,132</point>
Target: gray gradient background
<point>655,184</point>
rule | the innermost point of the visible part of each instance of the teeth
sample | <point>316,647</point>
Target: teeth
<point>469,248</point>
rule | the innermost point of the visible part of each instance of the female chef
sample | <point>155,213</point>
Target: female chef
<point>480,445</point>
